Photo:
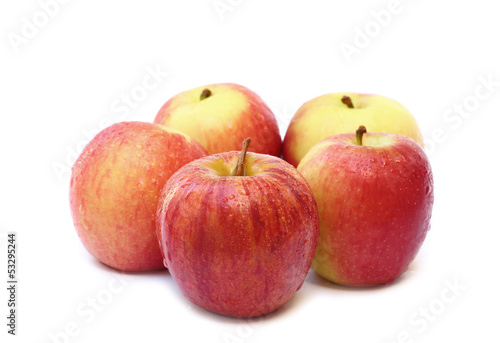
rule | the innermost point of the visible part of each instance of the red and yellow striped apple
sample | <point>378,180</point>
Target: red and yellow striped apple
<point>115,186</point>
<point>374,194</point>
<point>220,116</point>
<point>337,113</point>
<point>238,241</point>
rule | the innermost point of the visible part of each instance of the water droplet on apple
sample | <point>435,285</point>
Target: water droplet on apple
<point>81,209</point>
<point>86,225</point>
<point>243,191</point>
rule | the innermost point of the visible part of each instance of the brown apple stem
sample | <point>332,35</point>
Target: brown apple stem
<point>239,169</point>
<point>359,134</point>
<point>347,101</point>
<point>205,94</point>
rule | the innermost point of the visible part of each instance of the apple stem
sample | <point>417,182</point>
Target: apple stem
<point>239,169</point>
<point>359,134</point>
<point>347,101</point>
<point>205,94</point>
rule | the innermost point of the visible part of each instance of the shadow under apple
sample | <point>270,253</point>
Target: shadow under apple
<point>314,279</point>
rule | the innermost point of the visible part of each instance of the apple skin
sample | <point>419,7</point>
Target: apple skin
<point>238,245</point>
<point>114,190</point>
<point>327,116</point>
<point>374,203</point>
<point>224,119</point>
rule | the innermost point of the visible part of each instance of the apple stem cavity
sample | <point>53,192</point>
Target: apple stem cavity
<point>359,134</point>
<point>239,169</point>
<point>347,101</point>
<point>205,94</point>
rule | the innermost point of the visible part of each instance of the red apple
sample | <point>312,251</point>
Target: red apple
<point>220,116</point>
<point>238,241</point>
<point>114,190</point>
<point>374,194</point>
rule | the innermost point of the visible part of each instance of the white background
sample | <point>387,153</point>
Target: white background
<point>62,79</point>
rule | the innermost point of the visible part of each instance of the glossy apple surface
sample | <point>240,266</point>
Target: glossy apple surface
<point>328,115</point>
<point>238,245</point>
<point>114,190</point>
<point>374,202</point>
<point>220,116</point>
